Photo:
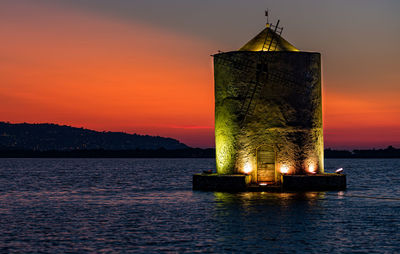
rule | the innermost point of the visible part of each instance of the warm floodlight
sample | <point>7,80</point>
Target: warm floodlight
<point>339,170</point>
<point>284,169</point>
<point>247,168</point>
<point>311,169</point>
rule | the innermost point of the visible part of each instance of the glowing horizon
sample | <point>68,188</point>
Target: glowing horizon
<point>74,66</point>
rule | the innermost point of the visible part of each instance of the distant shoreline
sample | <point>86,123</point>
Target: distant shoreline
<point>387,153</point>
<point>99,153</point>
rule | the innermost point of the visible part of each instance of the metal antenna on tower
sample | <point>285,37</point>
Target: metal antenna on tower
<point>266,14</point>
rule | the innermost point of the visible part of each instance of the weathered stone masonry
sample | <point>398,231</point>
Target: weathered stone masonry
<point>282,122</point>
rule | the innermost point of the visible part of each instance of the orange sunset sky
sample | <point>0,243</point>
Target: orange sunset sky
<point>145,67</point>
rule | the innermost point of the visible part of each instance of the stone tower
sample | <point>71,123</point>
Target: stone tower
<point>268,109</point>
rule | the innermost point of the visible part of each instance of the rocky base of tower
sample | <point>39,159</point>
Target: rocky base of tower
<point>240,183</point>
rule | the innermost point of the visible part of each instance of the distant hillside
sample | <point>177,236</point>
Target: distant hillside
<point>389,152</point>
<point>46,137</point>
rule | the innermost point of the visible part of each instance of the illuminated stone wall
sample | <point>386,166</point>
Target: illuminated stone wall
<point>285,113</point>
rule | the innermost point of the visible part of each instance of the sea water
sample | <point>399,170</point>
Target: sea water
<point>148,206</point>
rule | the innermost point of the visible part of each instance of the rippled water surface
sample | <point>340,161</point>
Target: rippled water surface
<point>147,205</point>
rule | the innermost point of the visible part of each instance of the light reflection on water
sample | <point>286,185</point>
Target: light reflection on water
<point>142,205</point>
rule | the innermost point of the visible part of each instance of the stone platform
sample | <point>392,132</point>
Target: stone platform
<point>238,183</point>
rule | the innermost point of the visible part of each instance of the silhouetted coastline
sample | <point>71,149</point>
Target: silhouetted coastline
<point>54,137</point>
<point>60,141</point>
<point>389,152</point>
<point>101,153</point>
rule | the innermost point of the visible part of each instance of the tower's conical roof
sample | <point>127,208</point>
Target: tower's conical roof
<point>262,40</point>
